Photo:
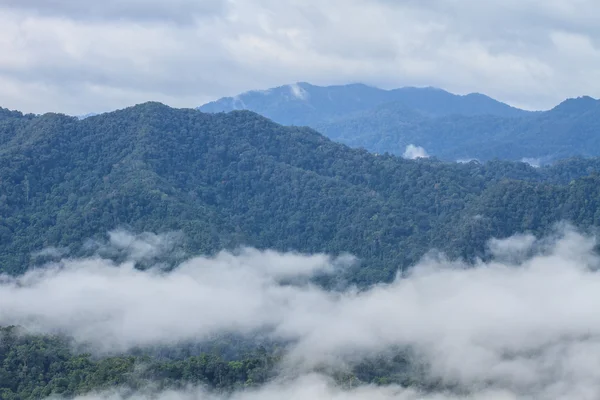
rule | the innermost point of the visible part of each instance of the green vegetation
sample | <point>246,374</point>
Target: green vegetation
<point>226,180</point>
<point>35,367</point>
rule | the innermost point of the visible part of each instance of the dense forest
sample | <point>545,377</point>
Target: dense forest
<point>35,367</point>
<point>447,126</point>
<point>226,180</point>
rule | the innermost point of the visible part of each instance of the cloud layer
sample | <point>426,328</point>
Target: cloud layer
<point>526,323</point>
<point>117,307</point>
<point>88,56</point>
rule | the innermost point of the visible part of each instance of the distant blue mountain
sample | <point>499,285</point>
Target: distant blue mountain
<point>306,104</point>
<point>446,125</point>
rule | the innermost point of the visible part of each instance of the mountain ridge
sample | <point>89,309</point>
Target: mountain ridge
<point>356,97</point>
<point>450,127</point>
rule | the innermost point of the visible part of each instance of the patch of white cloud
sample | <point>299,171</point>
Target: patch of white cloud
<point>238,103</point>
<point>413,152</point>
<point>298,92</point>
<point>50,252</point>
<point>467,160</point>
<point>534,162</point>
<point>512,249</point>
<point>142,247</point>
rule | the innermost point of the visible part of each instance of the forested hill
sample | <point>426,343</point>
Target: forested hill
<point>240,179</point>
<point>447,126</point>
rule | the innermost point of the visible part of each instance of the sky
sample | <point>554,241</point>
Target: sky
<point>82,56</point>
<point>499,329</point>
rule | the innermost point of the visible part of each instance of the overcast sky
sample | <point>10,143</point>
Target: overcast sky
<point>80,56</point>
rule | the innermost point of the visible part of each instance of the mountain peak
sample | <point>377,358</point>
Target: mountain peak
<point>577,105</point>
<point>6,113</point>
<point>150,104</point>
<point>477,95</point>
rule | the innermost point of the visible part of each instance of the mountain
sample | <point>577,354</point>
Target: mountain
<point>305,104</point>
<point>570,129</point>
<point>233,179</point>
<point>565,131</point>
<point>576,106</point>
<point>447,126</point>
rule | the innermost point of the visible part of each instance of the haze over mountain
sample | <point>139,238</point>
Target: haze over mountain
<point>447,126</point>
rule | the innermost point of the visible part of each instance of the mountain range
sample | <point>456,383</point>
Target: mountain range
<point>448,126</point>
<point>233,179</point>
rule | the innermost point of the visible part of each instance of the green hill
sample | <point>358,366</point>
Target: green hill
<point>234,179</point>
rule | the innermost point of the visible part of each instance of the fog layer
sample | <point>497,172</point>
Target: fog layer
<point>525,324</point>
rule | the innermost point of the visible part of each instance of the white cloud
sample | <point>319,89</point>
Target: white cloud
<point>525,324</point>
<point>117,307</point>
<point>512,249</point>
<point>87,56</point>
<point>534,162</point>
<point>51,252</point>
<point>146,246</point>
<point>298,92</point>
<point>413,152</point>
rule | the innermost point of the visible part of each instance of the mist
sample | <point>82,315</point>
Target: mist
<point>413,152</point>
<point>524,325</point>
<point>311,386</point>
